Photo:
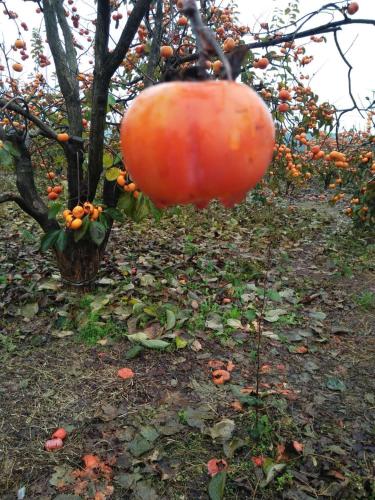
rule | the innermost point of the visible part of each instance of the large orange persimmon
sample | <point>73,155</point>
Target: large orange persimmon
<point>191,142</point>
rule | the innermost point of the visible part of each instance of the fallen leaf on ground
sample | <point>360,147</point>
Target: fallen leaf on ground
<point>237,405</point>
<point>230,366</point>
<point>223,430</point>
<point>248,390</point>
<point>336,474</point>
<point>125,373</point>
<point>302,349</point>
<point>281,455</point>
<point>281,368</point>
<point>265,369</point>
<point>215,466</point>
<point>215,364</point>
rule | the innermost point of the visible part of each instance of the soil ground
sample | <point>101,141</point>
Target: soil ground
<point>198,282</point>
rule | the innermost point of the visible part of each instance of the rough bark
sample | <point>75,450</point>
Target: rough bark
<point>65,60</point>
<point>79,263</point>
<point>28,199</point>
<point>105,66</point>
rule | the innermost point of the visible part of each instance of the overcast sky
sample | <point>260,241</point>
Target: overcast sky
<point>328,72</point>
<point>327,69</point>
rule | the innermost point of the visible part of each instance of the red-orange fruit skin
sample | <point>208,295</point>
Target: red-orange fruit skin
<point>191,142</point>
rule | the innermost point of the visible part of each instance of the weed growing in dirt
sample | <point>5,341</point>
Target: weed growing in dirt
<point>94,330</point>
<point>366,300</point>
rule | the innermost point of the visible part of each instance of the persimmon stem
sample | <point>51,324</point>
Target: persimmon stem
<point>206,41</point>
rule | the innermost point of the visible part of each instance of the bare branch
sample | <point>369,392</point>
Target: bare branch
<point>103,20</point>
<point>278,40</point>
<point>343,57</point>
<point>4,197</point>
<point>12,106</point>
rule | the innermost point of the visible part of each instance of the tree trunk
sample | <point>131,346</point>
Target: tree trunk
<point>79,264</point>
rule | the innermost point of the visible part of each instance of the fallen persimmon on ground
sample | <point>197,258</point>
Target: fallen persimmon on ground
<point>219,377</point>
<point>125,373</point>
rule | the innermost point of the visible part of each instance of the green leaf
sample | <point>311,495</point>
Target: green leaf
<point>154,211</point>
<point>180,342</point>
<point>117,159</point>
<point>137,337</point>
<point>230,447</point>
<point>149,432</point>
<point>134,351</point>
<point>272,470</point>
<point>142,209</point>
<point>97,232</point>
<point>114,214</point>
<point>8,146</point>
<point>139,446</point>
<point>111,101</point>
<point>61,240</point>
<point>155,343</point>
<point>6,159</point>
<point>216,486</point>
<point>104,219</point>
<point>335,384</point>
<point>274,296</point>
<point>127,203</point>
<point>54,209</point>
<point>78,235</point>
<point>112,173</point>
<point>171,319</point>
<point>49,239</point>
<point>107,160</point>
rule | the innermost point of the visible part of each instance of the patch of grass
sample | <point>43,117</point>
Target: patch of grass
<point>366,300</point>
<point>7,344</point>
<point>94,330</point>
<point>283,481</point>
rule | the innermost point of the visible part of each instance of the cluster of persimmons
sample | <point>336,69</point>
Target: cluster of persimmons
<point>305,149</point>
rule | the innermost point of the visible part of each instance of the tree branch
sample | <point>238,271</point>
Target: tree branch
<point>105,66</point>
<point>99,98</point>
<point>127,35</point>
<point>28,200</point>
<point>65,63</point>
<point>155,45</point>
<point>349,72</point>
<point>277,40</point>
<point>4,197</point>
<point>76,127</point>
<point>12,106</point>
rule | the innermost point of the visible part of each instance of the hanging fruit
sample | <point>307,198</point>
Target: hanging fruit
<point>192,142</point>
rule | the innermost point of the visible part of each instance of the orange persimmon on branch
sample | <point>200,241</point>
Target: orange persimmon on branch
<point>65,87</point>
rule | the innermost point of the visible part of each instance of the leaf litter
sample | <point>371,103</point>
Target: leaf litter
<point>156,434</point>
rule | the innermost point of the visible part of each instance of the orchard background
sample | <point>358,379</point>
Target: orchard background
<point>221,352</point>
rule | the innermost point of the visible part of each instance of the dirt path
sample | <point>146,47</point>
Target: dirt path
<point>198,286</point>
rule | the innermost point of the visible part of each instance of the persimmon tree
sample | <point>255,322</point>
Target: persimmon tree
<point>67,82</point>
